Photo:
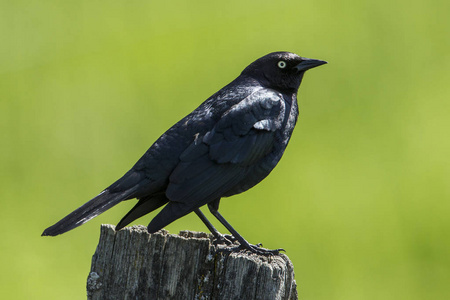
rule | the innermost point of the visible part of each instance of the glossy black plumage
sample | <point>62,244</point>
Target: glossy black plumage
<point>227,145</point>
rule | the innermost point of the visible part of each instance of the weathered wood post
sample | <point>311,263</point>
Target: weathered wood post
<point>132,264</point>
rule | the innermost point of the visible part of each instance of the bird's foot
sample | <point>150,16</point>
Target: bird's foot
<point>224,239</point>
<point>230,238</point>
<point>258,249</point>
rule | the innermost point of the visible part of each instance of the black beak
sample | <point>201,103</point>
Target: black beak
<point>308,63</point>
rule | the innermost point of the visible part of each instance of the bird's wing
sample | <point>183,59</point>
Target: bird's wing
<point>216,162</point>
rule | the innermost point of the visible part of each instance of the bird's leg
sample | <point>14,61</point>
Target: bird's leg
<point>208,224</point>
<point>220,238</point>
<point>244,244</point>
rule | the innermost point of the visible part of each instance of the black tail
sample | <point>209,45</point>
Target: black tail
<point>143,207</point>
<point>99,204</point>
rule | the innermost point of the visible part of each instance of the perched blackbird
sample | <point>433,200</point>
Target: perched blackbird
<point>227,145</point>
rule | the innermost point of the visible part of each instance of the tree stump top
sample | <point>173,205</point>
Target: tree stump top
<point>133,264</point>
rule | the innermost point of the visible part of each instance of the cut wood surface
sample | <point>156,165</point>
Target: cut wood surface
<point>132,264</point>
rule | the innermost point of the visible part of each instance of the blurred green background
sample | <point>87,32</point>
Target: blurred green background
<point>360,200</point>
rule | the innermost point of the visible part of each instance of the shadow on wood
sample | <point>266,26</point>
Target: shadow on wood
<point>132,264</point>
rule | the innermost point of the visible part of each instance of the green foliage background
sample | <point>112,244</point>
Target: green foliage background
<point>360,200</point>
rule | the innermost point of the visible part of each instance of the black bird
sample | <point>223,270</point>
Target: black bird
<point>227,145</point>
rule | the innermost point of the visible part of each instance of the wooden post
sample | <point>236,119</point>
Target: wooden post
<point>132,264</point>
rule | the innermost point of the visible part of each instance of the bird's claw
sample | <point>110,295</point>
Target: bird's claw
<point>224,239</point>
<point>230,238</point>
<point>257,249</point>
<point>263,251</point>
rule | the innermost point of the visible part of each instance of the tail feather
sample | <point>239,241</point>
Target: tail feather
<point>143,207</point>
<point>99,204</point>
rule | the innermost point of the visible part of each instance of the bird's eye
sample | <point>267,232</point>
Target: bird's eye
<point>281,64</point>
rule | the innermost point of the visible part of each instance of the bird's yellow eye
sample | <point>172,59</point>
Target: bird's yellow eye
<point>281,64</point>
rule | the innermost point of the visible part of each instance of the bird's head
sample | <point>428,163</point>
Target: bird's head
<point>281,70</point>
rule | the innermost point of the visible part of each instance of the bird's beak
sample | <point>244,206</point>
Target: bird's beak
<point>309,63</point>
